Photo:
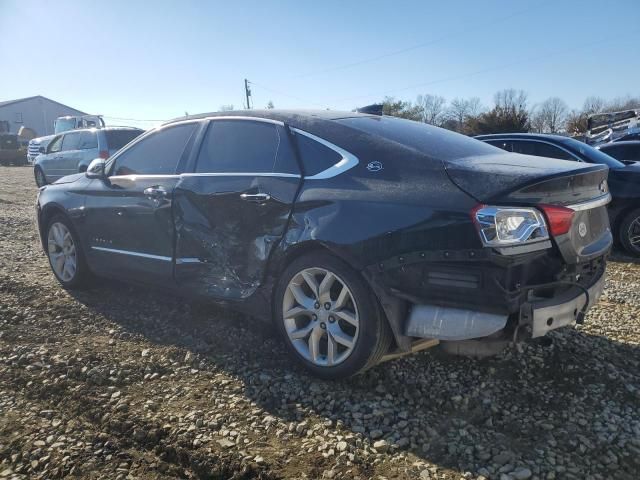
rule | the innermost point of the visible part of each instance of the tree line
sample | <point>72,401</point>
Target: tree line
<point>511,112</point>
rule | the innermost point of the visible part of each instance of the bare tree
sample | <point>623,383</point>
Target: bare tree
<point>593,105</point>
<point>270,105</point>
<point>431,108</point>
<point>550,116</point>
<point>511,100</point>
<point>225,108</point>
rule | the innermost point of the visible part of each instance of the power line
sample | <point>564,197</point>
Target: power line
<point>481,71</point>
<point>419,45</point>
<point>288,95</point>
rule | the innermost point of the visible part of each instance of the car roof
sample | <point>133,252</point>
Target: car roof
<point>93,129</point>
<point>523,136</point>
<point>287,116</point>
<point>625,142</point>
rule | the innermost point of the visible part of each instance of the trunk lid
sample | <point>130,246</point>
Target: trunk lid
<point>518,180</point>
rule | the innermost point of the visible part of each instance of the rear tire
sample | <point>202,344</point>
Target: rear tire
<point>41,178</point>
<point>65,254</point>
<point>329,318</point>
<point>630,232</point>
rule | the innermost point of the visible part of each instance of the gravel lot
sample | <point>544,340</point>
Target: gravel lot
<point>121,382</point>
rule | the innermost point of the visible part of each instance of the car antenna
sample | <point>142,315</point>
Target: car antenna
<point>375,109</point>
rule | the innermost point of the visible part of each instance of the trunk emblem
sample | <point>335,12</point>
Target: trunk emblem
<point>582,229</point>
<point>374,166</point>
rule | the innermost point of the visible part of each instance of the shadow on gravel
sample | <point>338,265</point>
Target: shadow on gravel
<point>568,408</point>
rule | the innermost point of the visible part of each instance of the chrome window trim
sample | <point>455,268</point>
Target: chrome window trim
<point>134,254</point>
<point>347,162</point>
<point>238,117</point>
<point>241,174</point>
<point>537,141</point>
<point>589,204</point>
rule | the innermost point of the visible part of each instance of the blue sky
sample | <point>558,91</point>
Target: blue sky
<point>156,60</point>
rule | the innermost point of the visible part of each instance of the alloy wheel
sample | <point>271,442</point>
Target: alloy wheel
<point>320,316</point>
<point>62,251</point>
<point>634,233</point>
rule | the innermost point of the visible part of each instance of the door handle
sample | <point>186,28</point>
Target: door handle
<point>255,197</point>
<point>155,192</point>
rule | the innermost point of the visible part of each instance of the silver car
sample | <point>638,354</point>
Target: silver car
<point>72,151</point>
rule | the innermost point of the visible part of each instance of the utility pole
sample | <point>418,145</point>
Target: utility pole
<point>247,92</point>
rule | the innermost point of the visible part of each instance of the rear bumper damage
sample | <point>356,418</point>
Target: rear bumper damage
<point>541,315</point>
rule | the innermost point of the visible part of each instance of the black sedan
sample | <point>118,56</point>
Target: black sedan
<point>361,237</point>
<point>626,152</point>
<point>624,177</point>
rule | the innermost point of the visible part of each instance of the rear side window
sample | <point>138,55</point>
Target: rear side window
<point>88,140</point>
<point>316,157</point>
<point>157,154</point>
<point>244,146</point>
<point>540,149</point>
<point>116,139</point>
<point>503,144</point>
<point>71,141</point>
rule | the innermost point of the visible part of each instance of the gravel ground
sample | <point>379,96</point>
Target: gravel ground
<point>121,382</point>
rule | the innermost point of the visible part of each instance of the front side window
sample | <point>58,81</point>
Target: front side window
<point>116,139</point>
<point>55,145</point>
<point>157,154</point>
<point>503,144</point>
<point>245,146</point>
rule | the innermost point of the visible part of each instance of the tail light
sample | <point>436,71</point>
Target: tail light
<point>507,226</point>
<point>103,154</point>
<point>558,218</point>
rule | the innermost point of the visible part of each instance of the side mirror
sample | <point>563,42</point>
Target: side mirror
<point>42,150</point>
<point>97,168</point>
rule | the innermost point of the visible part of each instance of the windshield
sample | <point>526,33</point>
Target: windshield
<point>433,141</point>
<point>64,124</point>
<point>594,155</point>
<point>116,139</point>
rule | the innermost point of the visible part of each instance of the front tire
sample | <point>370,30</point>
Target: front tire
<point>329,318</point>
<point>630,232</point>
<point>65,253</point>
<point>41,179</point>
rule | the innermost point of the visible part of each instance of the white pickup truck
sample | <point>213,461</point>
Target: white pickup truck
<point>62,124</point>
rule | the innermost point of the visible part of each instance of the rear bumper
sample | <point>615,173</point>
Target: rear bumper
<point>541,315</point>
<point>560,311</point>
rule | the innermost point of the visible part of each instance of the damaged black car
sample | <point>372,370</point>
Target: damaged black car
<point>360,237</point>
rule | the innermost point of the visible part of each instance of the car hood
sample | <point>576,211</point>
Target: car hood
<point>69,178</point>
<point>511,176</point>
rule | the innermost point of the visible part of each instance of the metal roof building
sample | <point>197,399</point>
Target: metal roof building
<point>37,113</point>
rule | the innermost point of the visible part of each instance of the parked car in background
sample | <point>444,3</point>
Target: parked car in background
<point>628,137</point>
<point>626,152</point>
<point>10,151</point>
<point>71,152</point>
<point>37,146</point>
<point>60,125</point>
<point>624,178</point>
<point>362,237</point>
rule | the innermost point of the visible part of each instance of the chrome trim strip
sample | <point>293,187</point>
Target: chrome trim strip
<point>589,204</point>
<point>347,162</point>
<point>242,174</point>
<point>184,260</point>
<point>135,254</point>
<point>237,117</point>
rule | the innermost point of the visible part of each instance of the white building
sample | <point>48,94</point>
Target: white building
<point>37,113</point>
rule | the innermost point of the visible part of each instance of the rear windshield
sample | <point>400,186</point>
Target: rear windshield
<point>433,141</point>
<point>116,139</point>
<point>593,154</point>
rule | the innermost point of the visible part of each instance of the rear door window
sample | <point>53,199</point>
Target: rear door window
<point>245,146</point>
<point>503,144</point>
<point>71,141</point>
<point>157,154</point>
<point>116,139</point>
<point>88,141</point>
